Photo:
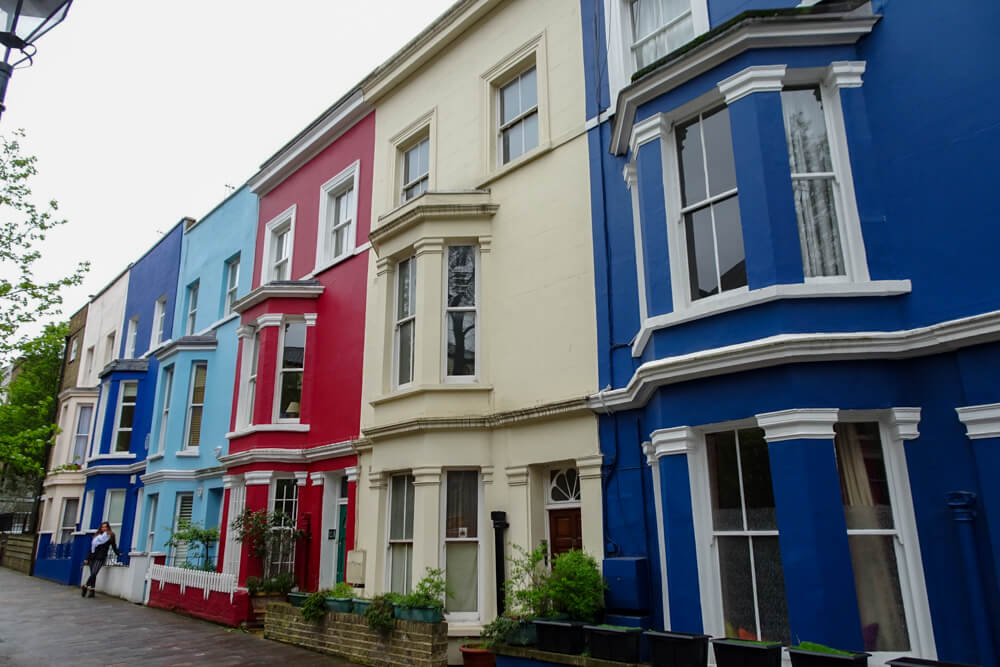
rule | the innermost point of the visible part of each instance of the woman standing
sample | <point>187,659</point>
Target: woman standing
<point>104,540</point>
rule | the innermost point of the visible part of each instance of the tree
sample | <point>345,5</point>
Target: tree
<point>27,418</point>
<point>22,225</point>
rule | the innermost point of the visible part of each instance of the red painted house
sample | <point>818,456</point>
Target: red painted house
<point>297,396</point>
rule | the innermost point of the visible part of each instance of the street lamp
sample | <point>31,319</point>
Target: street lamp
<point>24,22</point>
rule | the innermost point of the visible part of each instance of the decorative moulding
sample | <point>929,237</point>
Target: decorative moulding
<point>589,467</point>
<point>981,421</point>
<point>317,478</point>
<point>845,73</point>
<point>258,477</point>
<point>352,474</point>
<point>754,79</point>
<point>904,422</point>
<point>301,477</point>
<point>427,476</point>
<point>653,128</point>
<point>287,289</point>
<point>487,474</point>
<point>798,424</point>
<point>670,441</point>
<point>281,455</point>
<point>517,475</point>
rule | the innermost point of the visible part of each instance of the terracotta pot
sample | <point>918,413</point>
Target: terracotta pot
<point>477,655</point>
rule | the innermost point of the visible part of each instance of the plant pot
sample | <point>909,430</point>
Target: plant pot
<point>736,653</point>
<point>561,636</point>
<point>418,614</point>
<point>526,634</point>
<point>297,599</point>
<point>359,606</point>
<point>923,662</point>
<point>340,605</point>
<point>677,649</point>
<point>804,658</point>
<point>477,655</point>
<point>609,643</point>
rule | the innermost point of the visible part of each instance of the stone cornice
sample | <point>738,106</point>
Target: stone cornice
<point>753,79</point>
<point>279,455</point>
<point>78,392</point>
<point>557,409</point>
<point>285,289</point>
<point>668,442</point>
<point>195,343</point>
<point>125,366</point>
<point>798,424</point>
<point>181,475</point>
<point>436,206</point>
<point>981,421</point>
<point>124,469</point>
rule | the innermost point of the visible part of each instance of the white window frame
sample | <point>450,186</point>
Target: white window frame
<point>88,368</point>
<point>248,384</point>
<point>87,512</point>
<point>232,284</point>
<point>191,319</point>
<point>474,377</point>
<point>77,434</point>
<point>422,128</point>
<point>99,416</point>
<point>424,177</point>
<point>277,225</point>
<point>159,321</point>
<point>521,118</point>
<point>172,557</point>
<point>272,504</point>
<point>63,526</point>
<point>72,348</point>
<point>167,384</point>
<point>130,336</point>
<point>186,446</point>
<point>107,508</point>
<point>398,322</point>
<point>110,341</point>
<point>464,616</point>
<point>279,374</point>
<point>347,180</point>
<point>389,541</point>
<point>113,447</point>
<point>154,501</point>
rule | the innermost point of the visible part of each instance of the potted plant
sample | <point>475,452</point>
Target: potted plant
<point>380,612</point>
<point>810,654</point>
<point>313,607</point>
<point>338,598</point>
<point>575,588</point>
<point>614,642</point>
<point>746,653</point>
<point>526,592</point>
<point>297,599</point>
<point>477,654</point>
<point>677,649</point>
<point>425,604</point>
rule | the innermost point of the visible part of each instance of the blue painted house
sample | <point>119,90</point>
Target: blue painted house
<point>197,369</point>
<point>127,386</point>
<point>794,214</point>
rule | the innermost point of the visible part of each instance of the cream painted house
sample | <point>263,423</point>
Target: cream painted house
<point>480,336</point>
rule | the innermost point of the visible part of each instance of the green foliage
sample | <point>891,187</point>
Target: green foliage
<point>198,540</point>
<point>314,607</point>
<point>813,647</point>
<point>380,613</point>
<point>429,591</point>
<point>204,567</point>
<point>576,586</point>
<point>28,415</point>
<point>23,225</point>
<point>527,587</point>
<point>267,534</point>
<point>254,584</point>
<point>282,583</point>
<point>341,590</point>
<point>499,629</point>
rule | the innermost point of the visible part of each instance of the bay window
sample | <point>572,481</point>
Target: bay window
<point>127,392</point>
<point>461,541</point>
<point>291,369</point>
<point>196,405</point>
<point>251,386</point>
<point>405,322</point>
<point>400,546</point>
<point>461,312</point>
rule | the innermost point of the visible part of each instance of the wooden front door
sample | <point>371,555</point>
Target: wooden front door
<point>565,530</point>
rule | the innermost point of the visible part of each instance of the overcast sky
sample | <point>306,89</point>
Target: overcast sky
<point>141,113</point>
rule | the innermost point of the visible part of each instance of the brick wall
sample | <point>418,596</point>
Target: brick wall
<point>348,636</point>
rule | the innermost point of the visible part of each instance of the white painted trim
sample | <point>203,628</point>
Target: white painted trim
<point>183,475</point>
<point>285,217</point>
<point>268,291</point>
<point>670,441</point>
<point>661,541</point>
<point>280,455</point>
<point>268,428</point>
<point>300,477</point>
<point>753,79</point>
<point>347,179</point>
<point>123,469</point>
<point>783,349</point>
<point>258,477</point>
<point>744,298</point>
<point>657,126</point>
<point>352,474</point>
<point>981,421</point>
<point>798,424</point>
<point>269,320</point>
<point>903,423</point>
<point>317,478</point>
<point>845,73</point>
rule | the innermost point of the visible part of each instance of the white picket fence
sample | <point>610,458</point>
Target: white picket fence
<point>207,581</point>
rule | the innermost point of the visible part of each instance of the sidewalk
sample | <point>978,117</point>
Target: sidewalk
<point>43,623</point>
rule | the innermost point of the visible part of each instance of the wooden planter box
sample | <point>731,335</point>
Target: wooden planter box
<point>619,644</point>
<point>677,649</point>
<point>736,653</point>
<point>561,636</point>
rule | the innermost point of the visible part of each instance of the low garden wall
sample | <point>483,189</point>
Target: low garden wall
<point>16,551</point>
<point>208,595</point>
<point>523,656</point>
<point>348,636</point>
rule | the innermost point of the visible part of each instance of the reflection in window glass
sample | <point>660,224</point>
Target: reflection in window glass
<point>462,540</point>
<point>405,319</point>
<point>460,311</point>
<point>401,533</point>
<point>659,27</point>
<point>416,169</point>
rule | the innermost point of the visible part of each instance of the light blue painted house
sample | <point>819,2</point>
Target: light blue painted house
<point>794,220</point>
<point>194,388</point>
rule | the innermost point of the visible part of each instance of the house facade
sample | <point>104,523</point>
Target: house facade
<point>197,367</point>
<point>799,419</point>
<point>479,335</point>
<point>298,379</point>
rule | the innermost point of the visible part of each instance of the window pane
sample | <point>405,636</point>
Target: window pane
<point>692,164</point>
<point>130,389</point>
<point>679,33</point>
<point>198,387</point>
<point>462,576</point>
<point>404,306</point>
<point>401,515</point>
<point>529,89</point>
<point>293,353</point>
<point>724,482</point>
<point>510,102</point>
<point>880,602</point>
<point>116,507</point>
<point>513,142</point>
<point>291,395</point>
<point>461,276</point>
<point>461,343</point>
<point>339,241</point>
<point>415,190</point>
<point>701,253</point>
<point>530,131</point>
<point>737,587</point>
<point>729,235</point>
<point>819,232</point>
<point>805,131</point>
<point>864,485</point>
<point>462,514</point>
<point>719,152</point>
<point>405,371</point>
<point>771,602</point>
<point>83,419</point>
<point>128,414</point>
<point>757,490</point>
<point>194,429</point>
<point>401,556</point>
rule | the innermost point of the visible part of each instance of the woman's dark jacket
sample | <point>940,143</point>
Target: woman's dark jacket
<point>101,552</point>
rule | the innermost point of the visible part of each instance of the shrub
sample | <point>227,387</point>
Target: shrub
<point>314,607</point>
<point>254,585</point>
<point>429,591</point>
<point>527,588</point>
<point>380,613</point>
<point>499,629</point>
<point>576,586</point>
<point>341,590</point>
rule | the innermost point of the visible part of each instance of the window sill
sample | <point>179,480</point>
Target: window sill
<point>464,629</point>
<point>155,457</point>
<point>268,428</point>
<point>429,388</point>
<point>320,268</point>
<point>724,303</point>
<point>530,156</point>
<point>118,455</point>
<point>190,452</point>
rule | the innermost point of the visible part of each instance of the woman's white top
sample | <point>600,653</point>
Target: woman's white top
<point>99,540</point>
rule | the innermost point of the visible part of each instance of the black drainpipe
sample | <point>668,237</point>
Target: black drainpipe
<point>499,525</point>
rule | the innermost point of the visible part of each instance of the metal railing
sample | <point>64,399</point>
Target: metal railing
<point>207,581</point>
<point>59,551</point>
<point>15,523</point>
